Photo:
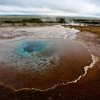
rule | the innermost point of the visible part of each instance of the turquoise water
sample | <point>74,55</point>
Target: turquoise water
<point>31,54</point>
<point>32,46</point>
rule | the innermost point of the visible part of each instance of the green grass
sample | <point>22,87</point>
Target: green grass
<point>95,30</point>
<point>91,29</point>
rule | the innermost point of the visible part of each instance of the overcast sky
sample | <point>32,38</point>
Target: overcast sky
<point>51,7</point>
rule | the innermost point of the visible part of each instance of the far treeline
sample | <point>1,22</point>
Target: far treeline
<point>87,21</point>
<point>13,21</point>
<point>24,21</point>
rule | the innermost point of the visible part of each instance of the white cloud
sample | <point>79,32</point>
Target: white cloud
<point>53,7</point>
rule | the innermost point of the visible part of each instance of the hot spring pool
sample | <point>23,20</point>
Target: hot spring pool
<point>42,63</point>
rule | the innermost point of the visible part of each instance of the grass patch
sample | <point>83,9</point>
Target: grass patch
<point>95,30</point>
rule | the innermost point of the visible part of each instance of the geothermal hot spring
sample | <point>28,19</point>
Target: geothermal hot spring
<point>42,63</point>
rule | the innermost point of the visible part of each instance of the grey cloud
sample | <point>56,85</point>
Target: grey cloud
<point>97,2</point>
<point>80,7</point>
